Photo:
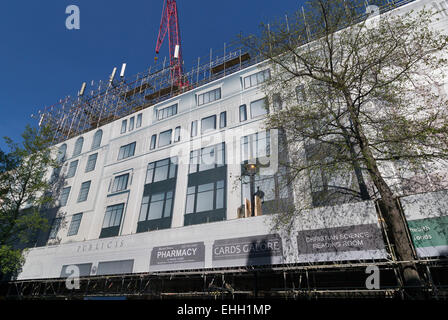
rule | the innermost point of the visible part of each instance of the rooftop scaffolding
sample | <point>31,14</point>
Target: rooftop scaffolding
<point>111,99</point>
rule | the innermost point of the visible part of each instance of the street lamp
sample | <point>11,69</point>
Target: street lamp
<point>251,170</point>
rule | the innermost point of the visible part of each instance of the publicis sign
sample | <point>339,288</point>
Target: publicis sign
<point>100,246</point>
<point>181,256</point>
<point>255,250</point>
<point>340,243</point>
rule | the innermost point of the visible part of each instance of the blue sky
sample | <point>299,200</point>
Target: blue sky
<point>41,61</point>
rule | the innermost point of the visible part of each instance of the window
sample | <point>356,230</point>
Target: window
<point>153,142</point>
<point>113,216</point>
<point>84,192</point>
<point>208,124</point>
<point>300,92</point>
<point>256,78</point>
<point>158,196</point>
<point>205,197</point>
<point>131,123</point>
<point>328,187</point>
<point>223,120</point>
<point>206,186</point>
<point>74,225</point>
<point>209,96</point>
<point>54,228</point>
<point>97,139</point>
<point>177,134</point>
<point>194,128</point>
<point>277,102</point>
<point>55,174</point>
<point>256,145</point>
<point>243,113</point>
<point>167,112</point>
<point>207,158</point>
<point>91,162</point>
<point>258,108</point>
<point>161,170</point>
<point>62,153</point>
<point>78,146</point>
<point>64,196</point>
<point>112,221</point>
<point>139,121</point>
<point>126,151</point>
<point>72,169</point>
<point>274,188</point>
<point>124,124</point>
<point>120,183</point>
<point>156,206</point>
<point>165,138</point>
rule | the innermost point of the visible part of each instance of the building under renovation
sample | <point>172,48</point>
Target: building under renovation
<point>169,185</point>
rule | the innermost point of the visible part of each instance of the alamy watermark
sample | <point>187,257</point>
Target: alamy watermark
<point>73,21</point>
<point>373,280</point>
<point>72,281</point>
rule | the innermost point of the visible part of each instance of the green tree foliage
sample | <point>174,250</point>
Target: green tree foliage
<point>22,195</point>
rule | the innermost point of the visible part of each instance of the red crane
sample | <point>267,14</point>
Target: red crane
<point>170,24</point>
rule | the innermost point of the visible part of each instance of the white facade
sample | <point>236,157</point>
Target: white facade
<point>87,246</point>
<point>108,167</point>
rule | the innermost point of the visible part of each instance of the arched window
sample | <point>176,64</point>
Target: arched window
<point>61,153</point>
<point>97,139</point>
<point>78,146</point>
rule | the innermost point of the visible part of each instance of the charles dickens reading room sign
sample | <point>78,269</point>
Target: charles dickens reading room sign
<point>181,256</point>
<point>256,250</point>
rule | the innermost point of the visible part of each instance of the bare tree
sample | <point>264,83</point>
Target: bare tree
<point>359,94</point>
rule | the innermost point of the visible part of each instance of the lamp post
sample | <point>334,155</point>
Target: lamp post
<point>251,170</point>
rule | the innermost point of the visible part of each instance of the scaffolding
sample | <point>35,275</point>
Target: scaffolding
<point>112,99</point>
<point>109,100</point>
<point>344,280</point>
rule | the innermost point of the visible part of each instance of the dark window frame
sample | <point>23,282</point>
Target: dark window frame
<point>120,183</point>
<point>139,120</point>
<point>170,131</point>
<point>124,126</point>
<point>177,136</point>
<point>223,120</point>
<point>125,151</point>
<point>78,147</point>
<point>256,78</point>
<point>167,112</point>
<point>218,149</point>
<point>153,166</point>
<point>153,143</point>
<point>243,113</point>
<point>74,225</point>
<point>64,203</point>
<point>73,167</point>
<point>89,167</point>
<point>214,190</point>
<point>84,191</point>
<point>265,108</point>
<point>203,131</point>
<point>168,197</point>
<point>209,97</point>
<point>131,123</point>
<point>115,214</point>
<point>96,143</point>
<point>55,226</point>
<point>194,128</point>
